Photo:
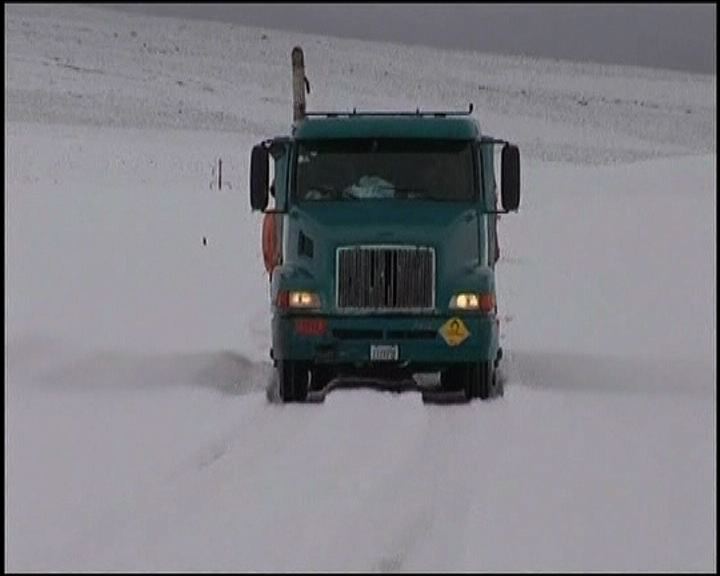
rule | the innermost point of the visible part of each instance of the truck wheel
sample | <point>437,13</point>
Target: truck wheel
<point>452,379</point>
<point>320,377</point>
<point>470,377</point>
<point>476,378</point>
<point>292,380</point>
<point>498,384</point>
<point>485,380</point>
<point>479,380</point>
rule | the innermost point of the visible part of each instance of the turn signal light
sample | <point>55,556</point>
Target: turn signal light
<point>487,303</point>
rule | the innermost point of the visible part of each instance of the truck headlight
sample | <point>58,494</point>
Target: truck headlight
<point>298,299</point>
<point>465,301</point>
<point>472,301</point>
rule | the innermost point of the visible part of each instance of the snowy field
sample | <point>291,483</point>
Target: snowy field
<point>138,435</point>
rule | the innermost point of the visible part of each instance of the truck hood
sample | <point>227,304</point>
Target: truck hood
<point>454,230</point>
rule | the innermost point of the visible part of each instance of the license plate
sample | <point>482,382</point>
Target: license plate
<point>384,352</point>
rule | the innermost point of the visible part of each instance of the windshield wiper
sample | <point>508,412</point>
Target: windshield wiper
<point>404,192</point>
<point>401,192</point>
<point>328,192</point>
<point>407,190</point>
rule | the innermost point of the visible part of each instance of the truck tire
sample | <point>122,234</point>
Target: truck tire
<point>498,384</point>
<point>452,379</point>
<point>483,380</point>
<point>476,378</point>
<point>320,377</point>
<point>292,380</point>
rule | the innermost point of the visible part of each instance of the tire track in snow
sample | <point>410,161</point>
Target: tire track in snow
<point>330,467</point>
<point>49,367</point>
<point>122,536</point>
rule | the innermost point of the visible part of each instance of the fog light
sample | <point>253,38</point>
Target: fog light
<point>310,326</point>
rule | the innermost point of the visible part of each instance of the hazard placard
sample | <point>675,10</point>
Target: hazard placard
<point>454,331</point>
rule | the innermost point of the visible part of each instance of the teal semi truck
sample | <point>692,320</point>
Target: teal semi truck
<point>381,248</point>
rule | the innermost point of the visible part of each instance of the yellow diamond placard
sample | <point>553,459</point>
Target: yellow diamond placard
<point>454,331</point>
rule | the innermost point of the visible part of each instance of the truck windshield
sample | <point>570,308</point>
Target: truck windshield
<point>384,168</point>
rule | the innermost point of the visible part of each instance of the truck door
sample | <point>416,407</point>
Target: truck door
<point>486,162</point>
<point>279,190</point>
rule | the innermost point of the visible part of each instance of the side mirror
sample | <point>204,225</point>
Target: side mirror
<point>510,178</point>
<point>259,175</point>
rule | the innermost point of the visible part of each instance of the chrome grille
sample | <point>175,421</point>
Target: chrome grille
<point>385,278</point>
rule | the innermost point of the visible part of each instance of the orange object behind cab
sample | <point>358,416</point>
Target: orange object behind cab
<point>272,249</point>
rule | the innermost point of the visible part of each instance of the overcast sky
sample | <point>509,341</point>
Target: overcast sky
<point>677,36</point>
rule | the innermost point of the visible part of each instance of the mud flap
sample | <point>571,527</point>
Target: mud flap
<point>379,384</point>
<point>433,395</point>
<point>316,397</point>
<point>444,397</point>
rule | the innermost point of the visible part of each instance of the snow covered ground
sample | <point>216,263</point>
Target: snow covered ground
<point>138,435</point>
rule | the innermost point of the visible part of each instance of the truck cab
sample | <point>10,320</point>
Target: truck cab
<point>384,243</point>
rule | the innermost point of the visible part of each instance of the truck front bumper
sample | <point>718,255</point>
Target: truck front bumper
<point>348,339</point>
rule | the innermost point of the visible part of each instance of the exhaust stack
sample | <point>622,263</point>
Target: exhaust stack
<point>299,83</point>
